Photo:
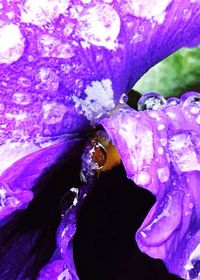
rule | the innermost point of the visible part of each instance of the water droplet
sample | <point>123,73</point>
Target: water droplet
<point>79,83</point>
<point>147,9</point>
<point>53,112</point>
<point>198,119</point>
<point>100,25</point>
<point>151,101</point>
<point>163,141</point>
<point>190,98</point>
<point>65,275</point>
<point>172,101</point>
<point>123,99</point>
<point>163,174</point>
<point>22,98</point>
<point>2,196</point>
<point>160,151</point>
<point>142,178</point>
<point>187,13</point>
<point>69,28</point>
<point>5,198</point>
<point>136,38</point>
<point>182,152</point>
<point>65,68</point>
<point>98,154</point>
<point>194,110</point>
<point>68,200</point>
<point>171,115</point>
<point>161,126</point>
<point>24,82</point>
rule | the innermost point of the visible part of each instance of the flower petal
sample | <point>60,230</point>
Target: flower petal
<point>163,155</point>
<point>63,266</point>
<point>28,240</point>
<point>131,38</point>
<point>17,182</point>
<point>83,67</point>
<point>53,83</point>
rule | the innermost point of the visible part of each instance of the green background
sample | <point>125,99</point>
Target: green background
<point>173,76</point>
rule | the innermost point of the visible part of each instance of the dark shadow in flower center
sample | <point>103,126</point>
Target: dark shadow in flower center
<point>104,245</point>
<point>29,240</point>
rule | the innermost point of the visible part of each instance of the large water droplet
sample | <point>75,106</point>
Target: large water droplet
<point>183,152</point>
<point>190,98</point>
<point>53,112</point>
<point>151,101</point>
<point>148,8</point>
<point>163,174</point>
<point>100,25</point>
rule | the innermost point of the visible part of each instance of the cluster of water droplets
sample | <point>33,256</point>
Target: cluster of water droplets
<point>154,101</point>
<point>182,120</point>
<point>6,199</point>
<point>160,148</point>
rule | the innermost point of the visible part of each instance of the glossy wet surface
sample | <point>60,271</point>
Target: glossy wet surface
<point>193,273</point>
<point>105,246</point>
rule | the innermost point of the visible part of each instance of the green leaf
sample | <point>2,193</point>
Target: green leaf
<point>176,74</point>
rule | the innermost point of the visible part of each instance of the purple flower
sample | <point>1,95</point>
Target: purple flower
<point>160,151</point>
<point>66,66</point>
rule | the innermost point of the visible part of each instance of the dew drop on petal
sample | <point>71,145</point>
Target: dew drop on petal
<point>198,119</point>
<point>100,25</point>
<point>161,126</point>
<point>190,98</point>
<point>123,98</point>
<point>148,8</point>
<point>65,275</point>
<point>172,101</point>
<point>163,174</point>
<point>22,98</point>
<point>163,141</point>
<point>194,110</point>
<point>142,178</point>
<point>151,101</point>
<point>183,154</point>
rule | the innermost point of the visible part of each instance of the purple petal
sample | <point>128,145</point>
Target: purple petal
<point>55,270</point>
<point>28,241</point>
<point>161,152</point>
<point>52,271</point>
<point>17,181</point>
<point>60,71</point>
<point>61,64</point>
<point>63,266</point>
